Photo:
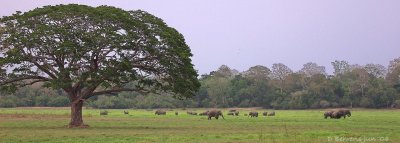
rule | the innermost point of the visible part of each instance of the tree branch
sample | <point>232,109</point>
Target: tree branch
<point>40,78</point>
<point>44,70</point>
<point>32,82</point>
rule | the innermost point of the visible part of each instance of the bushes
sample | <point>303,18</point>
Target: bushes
<point>396,104</point>
<point>7,102</point>
<point>324,104</point>
<point>37,100</point>
<point>111,102</point>
<point>41,100</point>
<point>59,101</point>
<point>125,101</point>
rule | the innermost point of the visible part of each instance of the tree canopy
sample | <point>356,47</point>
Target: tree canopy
<point>88,51</point>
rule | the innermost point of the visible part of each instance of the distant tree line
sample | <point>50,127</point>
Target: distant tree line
<point>278,87</point>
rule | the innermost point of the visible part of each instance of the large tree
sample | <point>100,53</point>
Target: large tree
<point>393,75</point>
<point>225,72</point>
<point>340,67</point>
<point>88,51</point>
<point>362,79</point>
<point>376,70</point>
<point>280,72</point>
<point>310,69</point>
<point>258,73</point>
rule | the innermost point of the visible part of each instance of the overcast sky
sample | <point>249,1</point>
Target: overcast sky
<point>246,33</point>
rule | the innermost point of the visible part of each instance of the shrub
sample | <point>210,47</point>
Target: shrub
<point>58,101</point>
<point>7,102</point>
<point>324,104</point>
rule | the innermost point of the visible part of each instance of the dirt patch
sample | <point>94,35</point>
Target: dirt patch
<point>32,116</point>
<point>49,108</point>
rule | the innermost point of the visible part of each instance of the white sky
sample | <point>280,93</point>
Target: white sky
<point>242,33</point>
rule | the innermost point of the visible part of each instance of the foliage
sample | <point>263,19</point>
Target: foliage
<point>252,88</point>
<point>89,51</point>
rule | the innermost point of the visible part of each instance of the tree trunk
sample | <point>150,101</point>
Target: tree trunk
<point>76,114</point>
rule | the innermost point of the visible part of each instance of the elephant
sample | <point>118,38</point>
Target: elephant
<point>346,112</point>
<point>126,112</point>
<point>328,114</point>
<point>337,113</point>
<point>253,114</point>
<point>271,114</point>
<point>265,113</point>
<point>215,114</point>
<point>160,112</point>
<point>191,113</point>
<point>204,113</point>
<point>341,113</point>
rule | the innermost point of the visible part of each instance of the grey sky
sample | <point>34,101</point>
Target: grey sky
<point>243,33</point>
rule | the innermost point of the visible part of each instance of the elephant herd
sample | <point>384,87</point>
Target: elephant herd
<point>333,114</point>
<point>209,113</point>
<point>255,114</point>
<point>217,113</point>
<point>337,113</point>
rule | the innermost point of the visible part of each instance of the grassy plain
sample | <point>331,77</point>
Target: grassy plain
<point>44,125</point>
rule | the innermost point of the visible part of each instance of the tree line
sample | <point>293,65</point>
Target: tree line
<point>278,87</point>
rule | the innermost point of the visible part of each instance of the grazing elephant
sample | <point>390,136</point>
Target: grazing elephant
<point>191,113</point>
<point>253,114</point>
<point>204,113</point>
<point>160,112</point>
<point>271,114</point>
<point>215,114</point>
<point>346,112</point>
<point>126,112</point>
<point>337,113</point>
<point>328,114</point>
<point>237,113</point>
<point>341,113</point>
<point>176,113</point>
<point>265,113</point>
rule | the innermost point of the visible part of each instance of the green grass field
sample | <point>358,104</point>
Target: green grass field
<point>43,125</point>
